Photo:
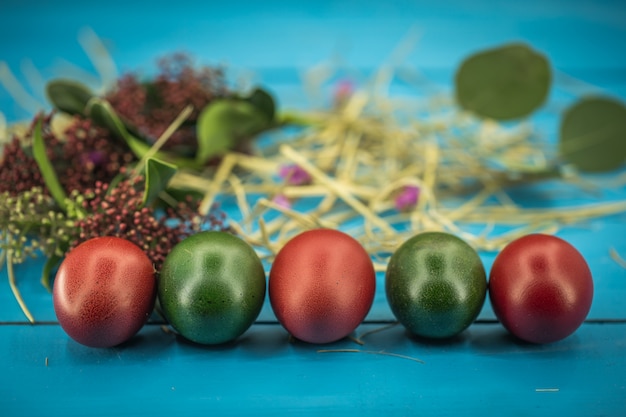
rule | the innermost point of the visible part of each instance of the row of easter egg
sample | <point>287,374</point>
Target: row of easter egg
<point>321,286</point>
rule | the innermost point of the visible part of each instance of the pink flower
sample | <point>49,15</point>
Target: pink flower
<point>294,175</point>
<point>407,198</point>
<point>343,91</point>
<point>282,201</point>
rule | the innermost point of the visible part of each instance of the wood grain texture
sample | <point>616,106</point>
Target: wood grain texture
<point>484,372</point>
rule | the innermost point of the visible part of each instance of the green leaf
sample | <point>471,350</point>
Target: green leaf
<point>103,114</point>
<point>68,96</point>
<point>508,82</point>
<point>50,264</point>
<point>593,134</point>
<point>158,175</point>
<point>45,167</point>
<point>263,102</point>
<point>225,123</point>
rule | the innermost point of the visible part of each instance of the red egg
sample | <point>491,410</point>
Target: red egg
<point>540,288</point>
<point>322,285</point>
<point>104,291</point>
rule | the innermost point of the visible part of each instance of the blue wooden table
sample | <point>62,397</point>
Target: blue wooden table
<point>484,371</point>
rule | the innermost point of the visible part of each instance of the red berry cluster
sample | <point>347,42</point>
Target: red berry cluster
<point>84,155</point>
<point>18,169</point>
<point>120,212</point>
<point>152,106</point>
<point>91,154</point>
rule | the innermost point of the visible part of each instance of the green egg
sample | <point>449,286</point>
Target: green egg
<point>435,285</point>
<point>212,287</point>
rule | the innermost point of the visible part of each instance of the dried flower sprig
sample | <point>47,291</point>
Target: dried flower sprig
<point>75,205</point>
<point>120,211</point>
<point>31,224</point>
<point>149,105</point>
<point>83,155</point>
<point>69,172</point>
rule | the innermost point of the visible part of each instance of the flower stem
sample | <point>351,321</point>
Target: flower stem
<point>371,352</point>
<point>379,329</point>
<point>14,289</point>
<point>297,119</point>
<point>169,131</point>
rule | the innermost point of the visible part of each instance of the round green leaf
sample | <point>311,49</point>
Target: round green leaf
<point>226,123</point>
<point>593,134</point>
<point>264,102</point>
<point>68,96</point>
<point>508,82</point>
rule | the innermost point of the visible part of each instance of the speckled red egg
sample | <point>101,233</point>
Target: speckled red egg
<point>104,291</point>
<point>322,285</point>
<point>540,288</point>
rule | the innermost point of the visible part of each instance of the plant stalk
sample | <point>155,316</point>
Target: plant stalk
<point>14,289</point>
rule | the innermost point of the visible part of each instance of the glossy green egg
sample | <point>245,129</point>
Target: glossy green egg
<point>435,285</point>
<point>212,287</point>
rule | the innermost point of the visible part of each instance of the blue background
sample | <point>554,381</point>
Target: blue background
<point>483,371</point>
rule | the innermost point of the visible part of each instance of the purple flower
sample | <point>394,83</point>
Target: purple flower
<point>294,175</point>
<point>343,91</point>
<point>94,159</point>
<point>407,198</point>
<point>282,201</point>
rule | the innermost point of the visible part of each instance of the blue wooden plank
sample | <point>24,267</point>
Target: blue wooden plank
<point>482,372</point>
